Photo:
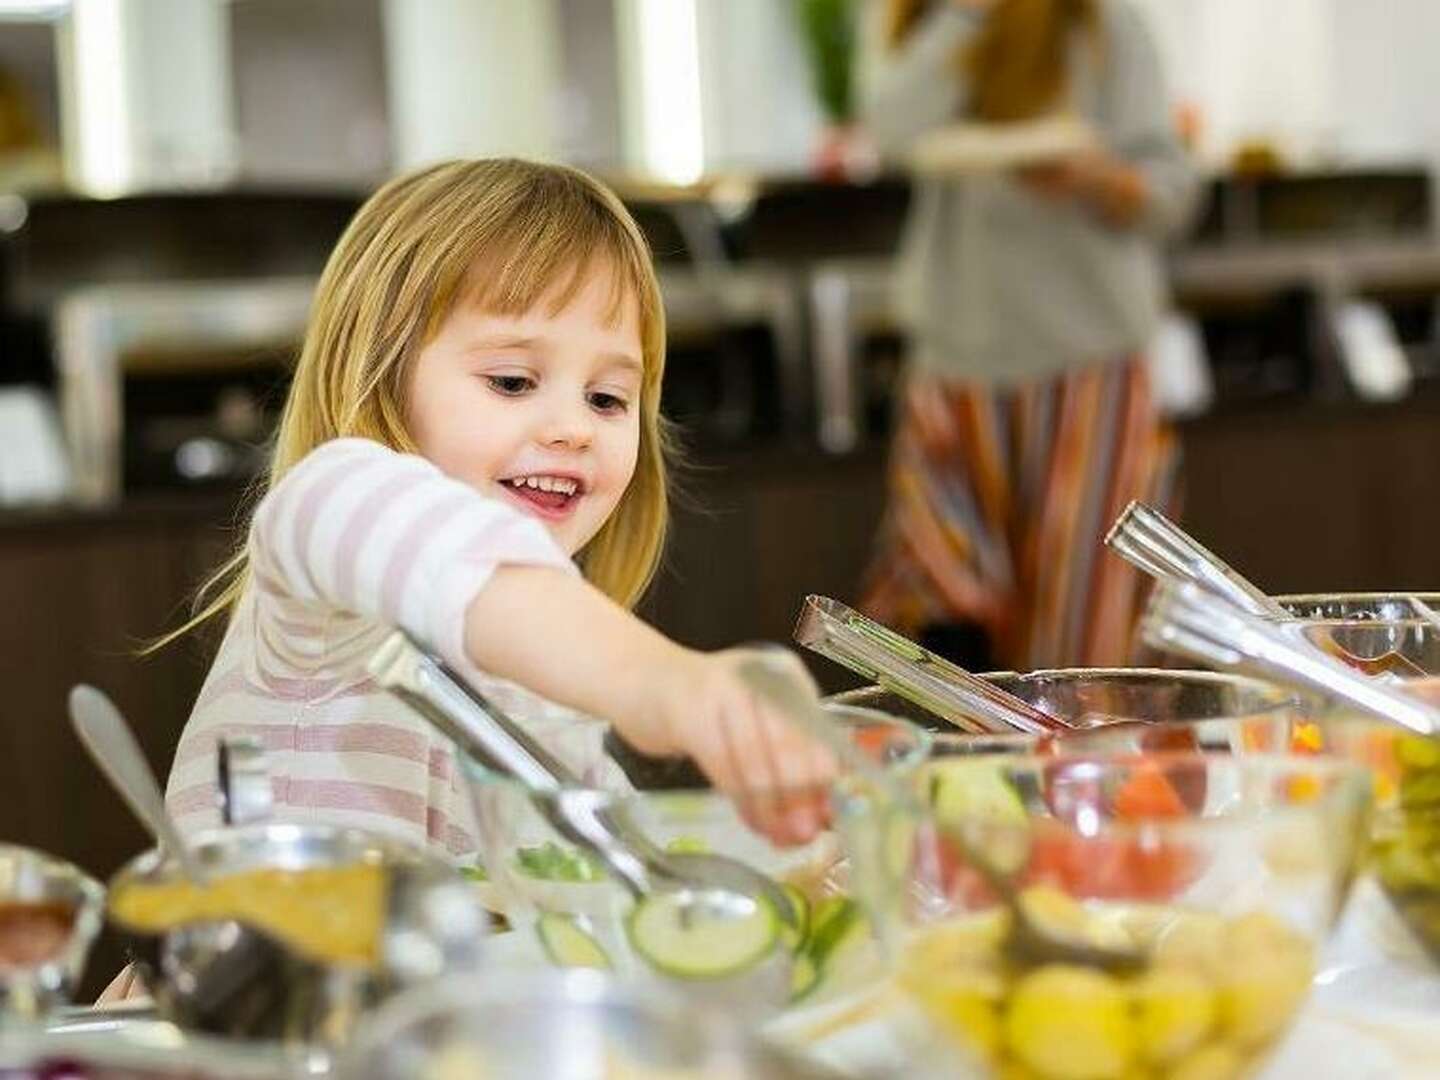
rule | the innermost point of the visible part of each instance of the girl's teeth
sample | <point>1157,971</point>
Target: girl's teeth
<point>546,483</point>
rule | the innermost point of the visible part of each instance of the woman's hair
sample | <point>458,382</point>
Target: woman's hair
<point>501,235</point>
<point>18,128</point>
<point>1018,64</point>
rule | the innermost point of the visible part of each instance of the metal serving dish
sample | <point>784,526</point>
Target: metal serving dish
<point>43,897</point>
<point>227,978</point>
<point>571,1025</point>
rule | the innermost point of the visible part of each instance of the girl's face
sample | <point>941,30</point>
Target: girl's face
<point>540,410</point>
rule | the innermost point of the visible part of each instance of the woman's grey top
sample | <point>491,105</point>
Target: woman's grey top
<point>999,284</point>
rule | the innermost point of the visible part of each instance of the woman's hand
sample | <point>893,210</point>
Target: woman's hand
<point>778,776</point>
<point>1108,185</point>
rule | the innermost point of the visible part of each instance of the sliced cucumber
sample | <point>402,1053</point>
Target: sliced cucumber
<point>841,951</point>
<point>804,976</point>
<point>568,944</point>
<point>834,919</point>
<point>826,912</point>
<point>794,936</point>
<point>678,937</point>
<point>967,791</point>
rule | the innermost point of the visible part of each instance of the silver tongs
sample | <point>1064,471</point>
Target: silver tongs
<point>828,627</point>
<point>582,815</point>
<point>1147,539</point>
<point>1186,619</point>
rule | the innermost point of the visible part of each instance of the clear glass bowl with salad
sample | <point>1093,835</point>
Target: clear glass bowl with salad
<point>564,910</point>
<point>1095,916</point>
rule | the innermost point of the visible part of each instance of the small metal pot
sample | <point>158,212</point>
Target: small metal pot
<point>228,978</point>
<point>30,989</point>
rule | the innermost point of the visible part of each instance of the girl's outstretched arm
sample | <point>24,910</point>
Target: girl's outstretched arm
<point>564,639</point>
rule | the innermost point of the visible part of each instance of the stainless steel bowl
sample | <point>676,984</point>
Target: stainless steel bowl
<point>31,986</point>
<point>227,978</point>
<point>572,1025</point>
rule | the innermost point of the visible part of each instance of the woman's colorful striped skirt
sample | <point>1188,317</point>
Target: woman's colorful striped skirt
<point>998,501</point>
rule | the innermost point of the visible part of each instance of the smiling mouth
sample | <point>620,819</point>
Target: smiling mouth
<point>553,496</point>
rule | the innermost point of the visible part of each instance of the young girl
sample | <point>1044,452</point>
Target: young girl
<point>475,405</point>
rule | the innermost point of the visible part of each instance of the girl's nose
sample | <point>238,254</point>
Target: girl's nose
<point>569,426</point>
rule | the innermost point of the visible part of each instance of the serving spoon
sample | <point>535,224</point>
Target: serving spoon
<point>706,883</point>
<point>113,747</point>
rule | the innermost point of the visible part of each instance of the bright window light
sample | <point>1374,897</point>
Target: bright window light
<point>33,9</point>
<point>674,147</point>
<point>97,28</point>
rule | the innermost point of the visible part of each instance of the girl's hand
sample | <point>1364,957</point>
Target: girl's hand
<point>778,776</point>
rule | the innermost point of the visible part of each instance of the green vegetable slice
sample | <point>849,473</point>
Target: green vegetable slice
<point>568,944</point>
<point>690,944</point>
<point>795,936</point>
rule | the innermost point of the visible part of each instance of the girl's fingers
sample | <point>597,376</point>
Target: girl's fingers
<point>782,764</point>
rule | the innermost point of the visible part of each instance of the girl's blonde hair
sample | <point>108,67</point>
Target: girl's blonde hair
<point>1018,64</point>
<point>501,234</point>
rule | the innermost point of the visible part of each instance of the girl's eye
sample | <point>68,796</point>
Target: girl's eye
<point>510,385</point>
<point>608,403</point>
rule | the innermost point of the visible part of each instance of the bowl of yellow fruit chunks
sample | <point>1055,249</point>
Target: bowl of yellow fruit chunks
<point>1073,917</point>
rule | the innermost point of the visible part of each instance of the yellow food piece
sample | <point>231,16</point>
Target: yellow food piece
<point>332,914</point>
<point>1268,973</point>
<point>1071,1023</point>
<point>1175,1010</point>
<point>963,1004</point>
<point>959,943</point>
<point>457,1061</point>
<point>1057,914</point>
<point>1193,941</point>
<point>1307,738</point>
<point>1214,1062</point>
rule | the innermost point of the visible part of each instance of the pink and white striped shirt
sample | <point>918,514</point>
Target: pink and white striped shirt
<point>356,540</point>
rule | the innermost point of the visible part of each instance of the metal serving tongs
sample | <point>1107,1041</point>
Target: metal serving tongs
<point>1187,619</point>
<point>1147,539</point>
<point>583,816</point>
<point>828,627</point>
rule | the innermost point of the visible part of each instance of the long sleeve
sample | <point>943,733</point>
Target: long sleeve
<point>359,529</point>
<point>917,87</point>
<point>1141,127</point>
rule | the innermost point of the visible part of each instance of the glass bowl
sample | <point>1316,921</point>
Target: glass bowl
<point>562,1025</point>
<point>1380,633</point>
<point>50,914</point>
<point>564,910</point>
<point>1219,909</point>
<point>1096,697</point>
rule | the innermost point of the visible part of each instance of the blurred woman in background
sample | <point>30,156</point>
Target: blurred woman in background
<point>1030,292</point>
